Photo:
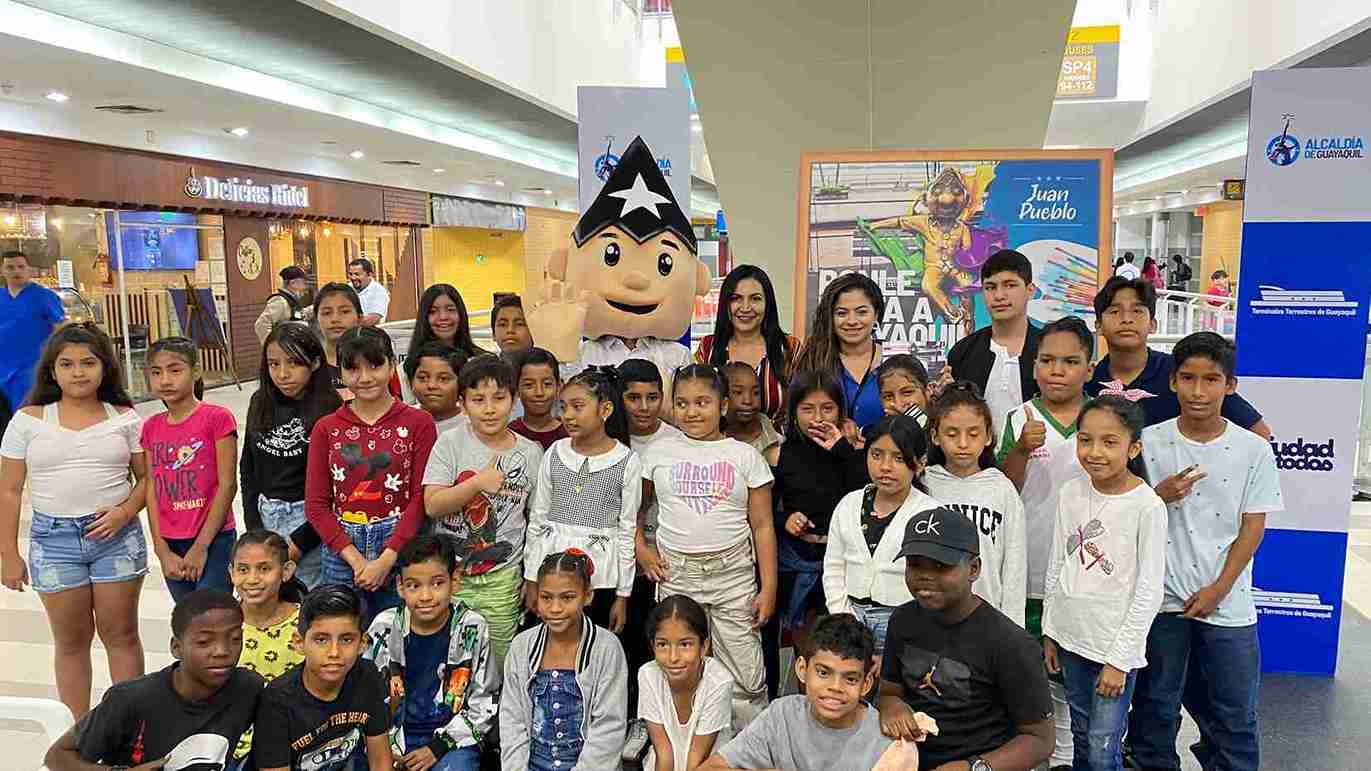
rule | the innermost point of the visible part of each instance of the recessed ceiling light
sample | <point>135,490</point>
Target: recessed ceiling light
<point>241,131</point>
<point>57,96</point>
<point>358,154</point>
<point>439,171</point>
<point>498,182</point>
<point>546,191</point>
<point>696,128</point>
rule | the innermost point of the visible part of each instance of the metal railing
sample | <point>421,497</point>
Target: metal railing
<point>1181,313</point>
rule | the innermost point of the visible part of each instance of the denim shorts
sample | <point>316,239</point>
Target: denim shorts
<point>62,556</point>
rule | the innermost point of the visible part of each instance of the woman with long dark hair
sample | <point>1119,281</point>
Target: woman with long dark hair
<point>842,342</point>
<point>748,329</point>
<point>75,445</point>
<point>442,318</point>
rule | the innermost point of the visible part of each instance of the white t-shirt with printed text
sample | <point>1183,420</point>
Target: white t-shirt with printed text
<point>702,491</point>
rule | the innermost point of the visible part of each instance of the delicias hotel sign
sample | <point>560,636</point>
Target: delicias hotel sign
<point>236,190</point>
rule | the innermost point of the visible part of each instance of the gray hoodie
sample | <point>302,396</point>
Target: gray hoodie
<point>602,676</point>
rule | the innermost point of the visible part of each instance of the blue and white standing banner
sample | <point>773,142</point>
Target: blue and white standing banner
<point>1304,292</point>
<point>609,117</point>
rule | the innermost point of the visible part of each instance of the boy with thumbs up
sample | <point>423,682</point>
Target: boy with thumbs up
<point>477,488</point>
<point>1038,454</point>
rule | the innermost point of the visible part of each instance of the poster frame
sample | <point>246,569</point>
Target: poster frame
<point>1104,156</point>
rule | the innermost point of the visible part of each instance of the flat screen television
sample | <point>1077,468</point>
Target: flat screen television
<point>153,243</point>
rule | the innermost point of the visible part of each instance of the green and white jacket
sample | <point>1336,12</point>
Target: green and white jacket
<point>469,682</point>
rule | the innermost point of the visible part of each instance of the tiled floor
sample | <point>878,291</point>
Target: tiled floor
<point>1306,723</point>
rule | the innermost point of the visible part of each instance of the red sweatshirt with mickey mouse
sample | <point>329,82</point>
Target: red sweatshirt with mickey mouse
<point>363,473</point>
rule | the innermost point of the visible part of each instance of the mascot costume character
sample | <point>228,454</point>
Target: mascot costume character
<point>629,279</point>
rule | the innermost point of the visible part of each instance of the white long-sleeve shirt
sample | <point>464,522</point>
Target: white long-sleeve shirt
<point>589,503</point>
<point>850,568</point>
<point>1105,573</point>
<point>989,500</point>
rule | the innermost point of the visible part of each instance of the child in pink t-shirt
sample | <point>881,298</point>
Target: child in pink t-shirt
<point>193,463</point>
<point>1218,287</point>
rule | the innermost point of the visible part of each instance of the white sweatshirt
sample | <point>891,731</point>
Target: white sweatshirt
<point>1105,573</point>
<point>989,500</point>
<point>851,570</point>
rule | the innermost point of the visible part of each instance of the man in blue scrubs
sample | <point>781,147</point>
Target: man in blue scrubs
<point>28,314</point>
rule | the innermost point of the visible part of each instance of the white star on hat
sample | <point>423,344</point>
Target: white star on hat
<point>639,197</point>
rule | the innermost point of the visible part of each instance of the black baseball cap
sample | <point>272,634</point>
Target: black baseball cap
<point>292,272</point>
<point>940,534</point>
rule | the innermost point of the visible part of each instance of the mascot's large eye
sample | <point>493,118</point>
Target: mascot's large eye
<point>612,255</point>
<point>664,264</point>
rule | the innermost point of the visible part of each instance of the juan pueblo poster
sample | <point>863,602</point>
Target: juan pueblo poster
<point>921,224</point>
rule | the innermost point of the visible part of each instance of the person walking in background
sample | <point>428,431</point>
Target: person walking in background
<point>1152,273</point>
<point>748,329</point>
<point>1127,269</point>
<point>29,313</point>
<point>375,298</point>
<point>1178,278</point>
<point>284,304</point>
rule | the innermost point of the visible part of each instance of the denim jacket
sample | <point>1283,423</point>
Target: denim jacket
<point>469,681</point>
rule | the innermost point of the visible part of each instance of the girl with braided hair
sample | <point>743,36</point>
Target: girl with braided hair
<point>588,491</point>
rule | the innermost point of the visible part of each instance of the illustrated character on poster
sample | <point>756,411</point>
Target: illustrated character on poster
<point>953,250</point>
<point>629,279</point>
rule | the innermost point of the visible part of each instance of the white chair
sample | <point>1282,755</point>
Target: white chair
<point>52,716</point>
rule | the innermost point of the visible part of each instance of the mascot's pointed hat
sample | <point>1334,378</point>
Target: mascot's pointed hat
<point>638,200</point>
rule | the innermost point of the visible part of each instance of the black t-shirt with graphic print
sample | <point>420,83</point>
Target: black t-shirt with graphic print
<point>142,720</point>
<point>299,731</point>
<point>980,679</point>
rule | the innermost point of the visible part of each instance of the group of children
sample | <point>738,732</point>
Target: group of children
<point>642,559</point>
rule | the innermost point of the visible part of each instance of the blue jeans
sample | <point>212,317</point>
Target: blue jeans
<point>460,759</point>
<point>1215,671</point>
<point>62,556</point>
<point>877,619</point>
<point>370,540</point>
<point>1097,722</point>
<point>282,517</point>
<point>216,572</point>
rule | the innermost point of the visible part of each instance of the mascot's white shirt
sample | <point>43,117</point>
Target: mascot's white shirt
<point>613,351</point>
